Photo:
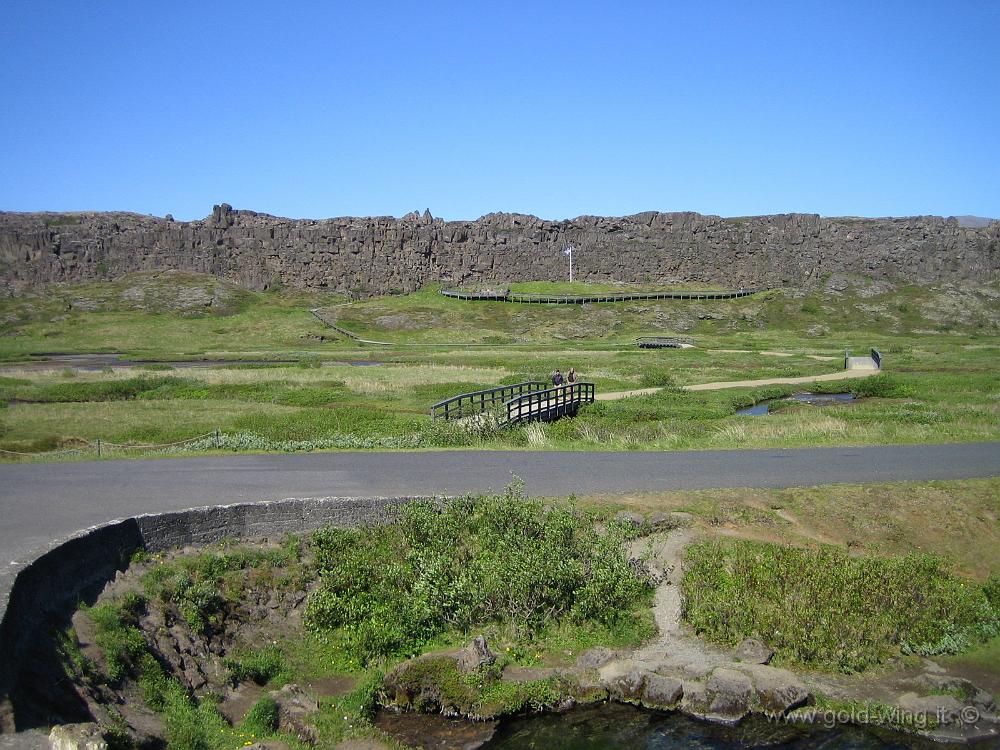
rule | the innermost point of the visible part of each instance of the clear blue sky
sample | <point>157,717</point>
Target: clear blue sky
<point>558,109</point>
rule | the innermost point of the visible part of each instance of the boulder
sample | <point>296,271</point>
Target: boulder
<point>661,691</point>
<point>926,709</point>
<point>477,654</point>
<point>754,651</point>
<point>514,673</point>
<point>595,658</point>
<point>85,736</point>
<point>628,517</point>
<point>657,519</point>
<point>777,691</point>
<point>945,683</point>
<point>628,686</point>
<point>295,707</point>
<point>724,697</point>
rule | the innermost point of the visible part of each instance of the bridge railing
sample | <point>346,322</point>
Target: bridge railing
<point>576,299</point>
<point>548,404</point>
<point>476,402</point>
<point>318,314</point>
<point>480,294</point>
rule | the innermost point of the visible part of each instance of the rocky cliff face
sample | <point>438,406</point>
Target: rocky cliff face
<point>378,255</point>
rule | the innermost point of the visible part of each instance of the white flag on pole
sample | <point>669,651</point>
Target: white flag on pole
<point>568,251</point>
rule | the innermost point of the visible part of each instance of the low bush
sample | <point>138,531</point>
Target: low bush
<point>260,665</point>
<point>118,637</point>
<point>495,559</point>
<point>653,376</point>
<point>262,719</point>
<point>99,390</point>
<point>882,385</point>
<point>827,609</point>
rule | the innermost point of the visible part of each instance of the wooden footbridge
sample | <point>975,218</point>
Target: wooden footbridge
<point>659,342</point>
<point>521,402</point>
<point>505,295</point>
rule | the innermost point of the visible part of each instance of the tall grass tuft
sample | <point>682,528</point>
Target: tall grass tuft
<point>824,608</point>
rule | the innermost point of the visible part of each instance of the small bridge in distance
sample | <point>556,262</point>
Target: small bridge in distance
<point>873,362</point>
<point>529,401</point>
<point>660,342</point>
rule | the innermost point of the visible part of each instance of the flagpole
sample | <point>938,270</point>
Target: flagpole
<point>571,265</point>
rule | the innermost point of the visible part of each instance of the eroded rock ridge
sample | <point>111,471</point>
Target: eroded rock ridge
<point>381,255</point>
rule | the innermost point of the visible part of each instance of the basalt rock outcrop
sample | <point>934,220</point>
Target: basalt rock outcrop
<point>380,255</point>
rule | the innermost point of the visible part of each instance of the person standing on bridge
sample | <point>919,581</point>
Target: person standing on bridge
<point>557,379</point>
<point>571,376</point>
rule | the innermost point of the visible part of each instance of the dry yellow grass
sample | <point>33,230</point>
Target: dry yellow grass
<point>959,520</point>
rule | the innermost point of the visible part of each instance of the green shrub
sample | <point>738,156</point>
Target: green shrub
<point>116,634</point>
<point>882,385</point>
<point>262,719</point>
<point>260,665</point>
<point>185,727</point>
<point>654,376</point>
<point>188,725</point>
<point>827,609</point>
<point>158,689</point>
<point>992,590</point>
<point>101,390</point>
<point>197,603</point>
<point>494,559</point>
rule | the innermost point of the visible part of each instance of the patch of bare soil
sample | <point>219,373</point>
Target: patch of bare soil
<point>330,687</point>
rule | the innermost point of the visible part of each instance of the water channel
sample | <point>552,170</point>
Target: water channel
<point>612,726</point>
<point>816,399</point>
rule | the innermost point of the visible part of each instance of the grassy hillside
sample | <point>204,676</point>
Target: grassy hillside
<point>940,348</point>
<point>173,314</point>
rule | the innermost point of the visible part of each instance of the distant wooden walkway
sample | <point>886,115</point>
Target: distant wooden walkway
<point>505,295</point>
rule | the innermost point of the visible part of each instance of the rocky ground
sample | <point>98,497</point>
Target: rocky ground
<point>675,671</point>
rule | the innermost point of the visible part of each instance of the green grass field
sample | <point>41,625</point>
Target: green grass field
<point>940,348</point>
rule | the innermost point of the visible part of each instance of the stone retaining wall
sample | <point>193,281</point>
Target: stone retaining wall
<point>384,255</point>
<point>35,593</point>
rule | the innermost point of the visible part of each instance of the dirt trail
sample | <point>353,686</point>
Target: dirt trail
<point>673,647</point>
<point>842,375</point>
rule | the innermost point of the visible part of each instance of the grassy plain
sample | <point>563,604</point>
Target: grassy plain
<point>940,347</point>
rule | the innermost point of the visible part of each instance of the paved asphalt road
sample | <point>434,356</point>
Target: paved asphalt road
<point>43,502</point>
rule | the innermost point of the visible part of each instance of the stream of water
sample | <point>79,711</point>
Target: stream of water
<point>613,726</point>
<point>619,727</point>
<point>816,399</point>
